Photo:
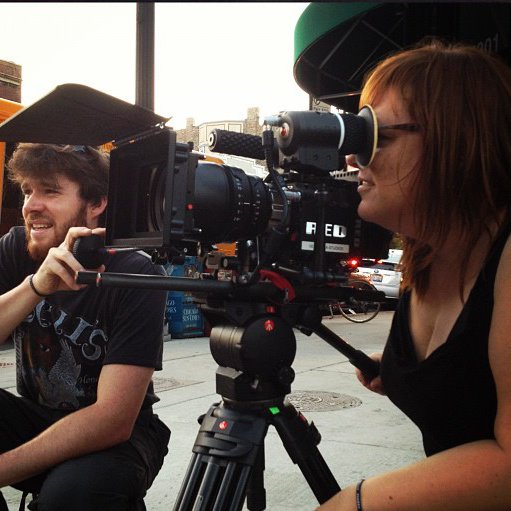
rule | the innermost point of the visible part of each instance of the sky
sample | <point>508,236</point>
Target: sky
<point>212,60</point>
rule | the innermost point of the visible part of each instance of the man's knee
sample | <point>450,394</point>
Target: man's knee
<point>88,483</point>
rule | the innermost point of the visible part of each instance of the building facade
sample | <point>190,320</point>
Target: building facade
<point>10,81</point>
<point>10,99</point>
<point>198,135</point>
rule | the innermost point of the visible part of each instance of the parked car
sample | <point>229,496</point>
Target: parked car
<point>384,274</point>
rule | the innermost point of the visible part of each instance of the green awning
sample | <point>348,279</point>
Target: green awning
<point>337,43</point>
<point>319,18</point>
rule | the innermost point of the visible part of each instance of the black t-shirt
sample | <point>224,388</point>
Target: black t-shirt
<point>451,395</point>
<point>63,344</point>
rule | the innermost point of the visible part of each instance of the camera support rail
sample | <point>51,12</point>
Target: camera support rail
<point>310,319</point>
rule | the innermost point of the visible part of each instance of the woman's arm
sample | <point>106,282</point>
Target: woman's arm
<point>474,476</point>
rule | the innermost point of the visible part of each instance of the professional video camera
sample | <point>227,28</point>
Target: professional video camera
<point>294,232</point>
<point>300,222</point>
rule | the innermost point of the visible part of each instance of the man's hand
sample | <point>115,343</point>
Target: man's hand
<point>58,271</point>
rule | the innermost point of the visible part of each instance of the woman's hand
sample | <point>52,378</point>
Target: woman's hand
<point>375,384</point>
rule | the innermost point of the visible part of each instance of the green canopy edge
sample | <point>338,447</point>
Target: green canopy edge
<point>321,17</point>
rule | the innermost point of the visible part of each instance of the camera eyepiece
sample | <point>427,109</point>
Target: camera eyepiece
<point>311,133</point>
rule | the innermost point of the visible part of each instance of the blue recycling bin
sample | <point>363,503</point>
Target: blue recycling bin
<point>183,317</point>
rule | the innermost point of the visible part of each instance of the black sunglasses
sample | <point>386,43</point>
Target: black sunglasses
<point>404,127</point>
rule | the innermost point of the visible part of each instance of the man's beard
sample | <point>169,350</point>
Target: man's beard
<point>38,252</point>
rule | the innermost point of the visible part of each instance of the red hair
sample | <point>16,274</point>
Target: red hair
<point>461,98</point>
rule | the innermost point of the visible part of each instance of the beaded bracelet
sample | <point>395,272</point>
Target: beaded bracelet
<point>30,281</point>
<point>358,495</point>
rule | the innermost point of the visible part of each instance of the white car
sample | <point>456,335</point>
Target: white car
<point>384,274</point>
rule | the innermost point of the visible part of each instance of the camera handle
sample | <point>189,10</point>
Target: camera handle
<point>311,322</point>
<point>369,367</point>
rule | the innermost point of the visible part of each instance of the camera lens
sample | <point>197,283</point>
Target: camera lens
<point>229,204</point>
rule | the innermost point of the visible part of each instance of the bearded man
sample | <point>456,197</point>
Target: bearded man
<point>80,434</point>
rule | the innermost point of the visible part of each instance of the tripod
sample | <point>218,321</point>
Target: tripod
<point>255,351</point>
<point>228,455</point>
<point>227,464</point>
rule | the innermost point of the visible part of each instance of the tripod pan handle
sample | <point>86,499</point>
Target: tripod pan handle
<point>369,367</point>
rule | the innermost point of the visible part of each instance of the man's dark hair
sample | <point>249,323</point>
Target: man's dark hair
<point>84,165</point>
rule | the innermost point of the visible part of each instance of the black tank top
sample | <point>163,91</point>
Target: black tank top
<point>451,395</point>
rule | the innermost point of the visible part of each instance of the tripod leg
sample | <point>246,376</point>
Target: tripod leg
<point>240,491</point>
<point>214,486</point>
<point>300,440</point>
<point>189,483</point>
<point>256,494</point>
<point>225,450</point>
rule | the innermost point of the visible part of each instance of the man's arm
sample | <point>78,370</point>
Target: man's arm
<point>107,422</point>
<point>56,273</point>
<point>15,305</point>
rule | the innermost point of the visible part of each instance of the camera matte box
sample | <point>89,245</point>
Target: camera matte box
<point>78,115</point>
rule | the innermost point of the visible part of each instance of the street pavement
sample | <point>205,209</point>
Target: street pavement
<point>362,432</point>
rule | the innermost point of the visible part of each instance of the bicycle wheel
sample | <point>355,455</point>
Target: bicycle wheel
<point>359,311</point>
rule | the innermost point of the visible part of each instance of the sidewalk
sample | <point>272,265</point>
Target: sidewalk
<point>362,433</point>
